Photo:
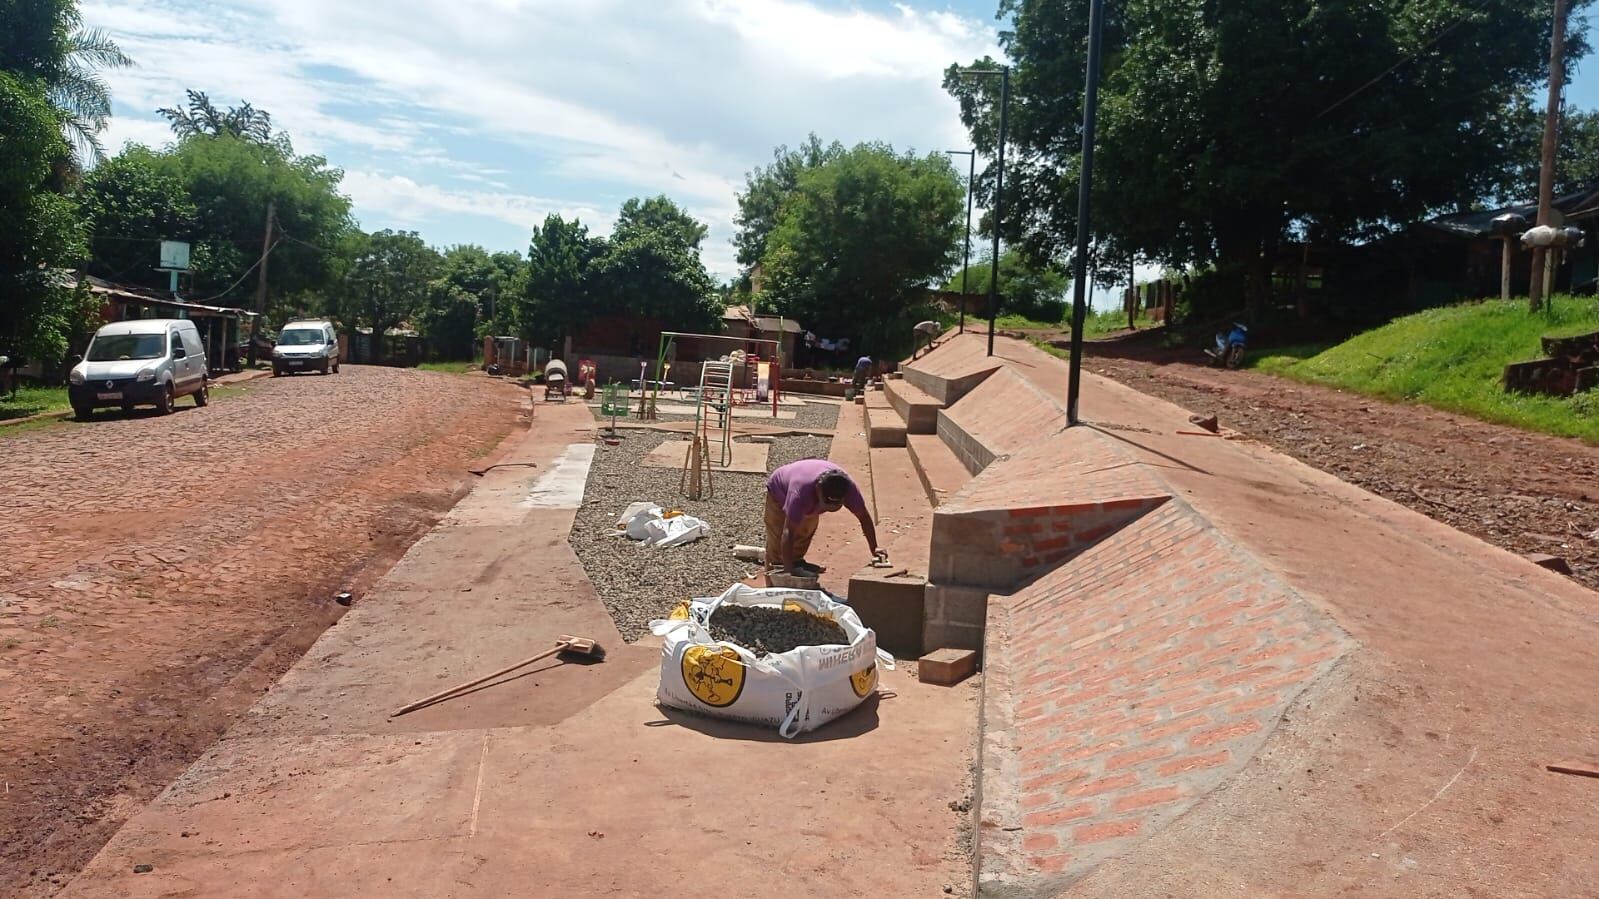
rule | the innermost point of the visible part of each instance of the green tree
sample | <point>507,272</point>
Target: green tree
<point>1229,128</point>
<point>1576,165</point>
<point>765,190</point>
<point>389,277</point>
<point>202,119</point>
<point>130,203</point>
<point>472,287</point>
<point>45,40</point>
<point>41,237</point>
<point>1037,292</point>
<point>859,239</point>
<point>651,269</point>
<point>557,291</point>
<point>231,181</point>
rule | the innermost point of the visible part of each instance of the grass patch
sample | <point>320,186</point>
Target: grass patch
<point>1453,358</point>
<point>1096,324</point>
<point>33,401</point>
<point>449,368</point>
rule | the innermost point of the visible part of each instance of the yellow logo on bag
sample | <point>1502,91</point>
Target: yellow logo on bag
<point>864,680</point>
<point>714,674</point>
<point>680,613</point>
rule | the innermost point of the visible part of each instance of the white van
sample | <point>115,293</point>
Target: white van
<point>150,361</point>
<point>306,346</point>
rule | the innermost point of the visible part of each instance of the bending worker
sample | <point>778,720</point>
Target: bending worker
<point>796,496</point>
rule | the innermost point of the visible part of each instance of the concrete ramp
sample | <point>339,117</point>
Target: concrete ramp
<point>1124,686</point>
<point>953,369</point>
<point>1003,415</point>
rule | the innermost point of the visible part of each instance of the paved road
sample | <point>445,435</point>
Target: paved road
<point>157,572</point>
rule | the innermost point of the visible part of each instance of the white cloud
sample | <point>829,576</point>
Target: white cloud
<point>537,98</point>
<point>387,200</point>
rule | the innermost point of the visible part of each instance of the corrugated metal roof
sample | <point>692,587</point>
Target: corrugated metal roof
<point>773,323</point>
<point>1576,205</point>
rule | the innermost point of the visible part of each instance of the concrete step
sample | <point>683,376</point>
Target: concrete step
<point>891,602</point>
<point>884,426</point>
<point>941,471</point>
<point>916,406</point>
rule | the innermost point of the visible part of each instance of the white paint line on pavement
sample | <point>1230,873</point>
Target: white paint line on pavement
<point>562,486</point>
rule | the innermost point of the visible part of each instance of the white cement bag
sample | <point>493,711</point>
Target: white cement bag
<point>636,518</point>
<point>795,691</point>
<point>675,531</point>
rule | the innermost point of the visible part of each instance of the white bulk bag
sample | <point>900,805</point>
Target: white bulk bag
<point>794,691</point>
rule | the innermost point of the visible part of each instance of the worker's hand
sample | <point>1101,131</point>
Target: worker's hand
<point>880,555</point>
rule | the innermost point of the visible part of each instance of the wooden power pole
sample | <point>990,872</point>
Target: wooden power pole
<point>261,281</point>
<point>1546,162</point>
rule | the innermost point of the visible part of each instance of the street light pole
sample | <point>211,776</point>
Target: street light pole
<point>966,261</point>
<point>999,195</point>
<point>1096,17</point>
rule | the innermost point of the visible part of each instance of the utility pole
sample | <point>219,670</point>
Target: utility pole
<point>1546,164</point>
<point>1096,17</point>
<point>999,209</point>
<point>966,259</point>
<point>261,282</point>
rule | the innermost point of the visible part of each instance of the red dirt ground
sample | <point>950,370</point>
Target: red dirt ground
<point>1525,492</point>
<point>158,574</point>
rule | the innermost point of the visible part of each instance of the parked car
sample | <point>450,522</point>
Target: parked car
<point>306,346</point>
<point>145,362</point>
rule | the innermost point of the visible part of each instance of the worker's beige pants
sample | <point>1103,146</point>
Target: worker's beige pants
<point>775,522</point>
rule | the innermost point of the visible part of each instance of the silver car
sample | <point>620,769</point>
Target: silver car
<point>306,346</point>
<point>149,361</point>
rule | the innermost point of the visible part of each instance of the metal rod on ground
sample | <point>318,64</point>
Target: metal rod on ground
<point>565,644</point>
<point>1546,162</point>
<point>1096,15</point>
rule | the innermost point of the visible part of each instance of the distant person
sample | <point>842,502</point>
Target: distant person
<point>925,331</point>
<point>863,372</point>
<point>796,496</point>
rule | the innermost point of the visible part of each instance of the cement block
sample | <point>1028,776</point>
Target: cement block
<point>946,667</point>
<point>957,605</point>
<point>893,607</point>
<point>952,636</point>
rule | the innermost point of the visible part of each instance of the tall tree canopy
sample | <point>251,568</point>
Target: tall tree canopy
<point>556,297</point>
<point>858,239</point>
<point>202,118</point>
<point>44,41</point>
<point>651,267</point>
<point>1036,291</point>
<point>1227,128</point>
<point>129,203</point>
<point>765,190</point>
<point>389,277</point>
<point>40,234</point>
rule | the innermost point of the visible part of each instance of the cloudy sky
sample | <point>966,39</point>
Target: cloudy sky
<point>470,120</point>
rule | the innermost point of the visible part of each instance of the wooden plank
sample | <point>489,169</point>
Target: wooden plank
<point>1577,767</point>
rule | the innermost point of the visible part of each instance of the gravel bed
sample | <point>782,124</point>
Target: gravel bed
<point>766,631</point>
<point>639,584</point>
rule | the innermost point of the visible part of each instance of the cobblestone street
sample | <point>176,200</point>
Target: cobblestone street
<point>157,573</point>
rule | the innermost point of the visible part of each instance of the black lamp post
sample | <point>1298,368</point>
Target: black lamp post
<point>966,262</point>
<point>999,195</point>
<point>1096,15</point>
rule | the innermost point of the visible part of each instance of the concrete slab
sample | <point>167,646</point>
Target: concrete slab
<point>914,405</point>
<point>941,472</point>
<point>747,457</point>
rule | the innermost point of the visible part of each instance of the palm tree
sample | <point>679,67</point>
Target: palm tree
<point>81,95</point>
<point>203,118</point>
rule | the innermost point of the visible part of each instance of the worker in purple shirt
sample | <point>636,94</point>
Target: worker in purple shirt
<point>796,496</point>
